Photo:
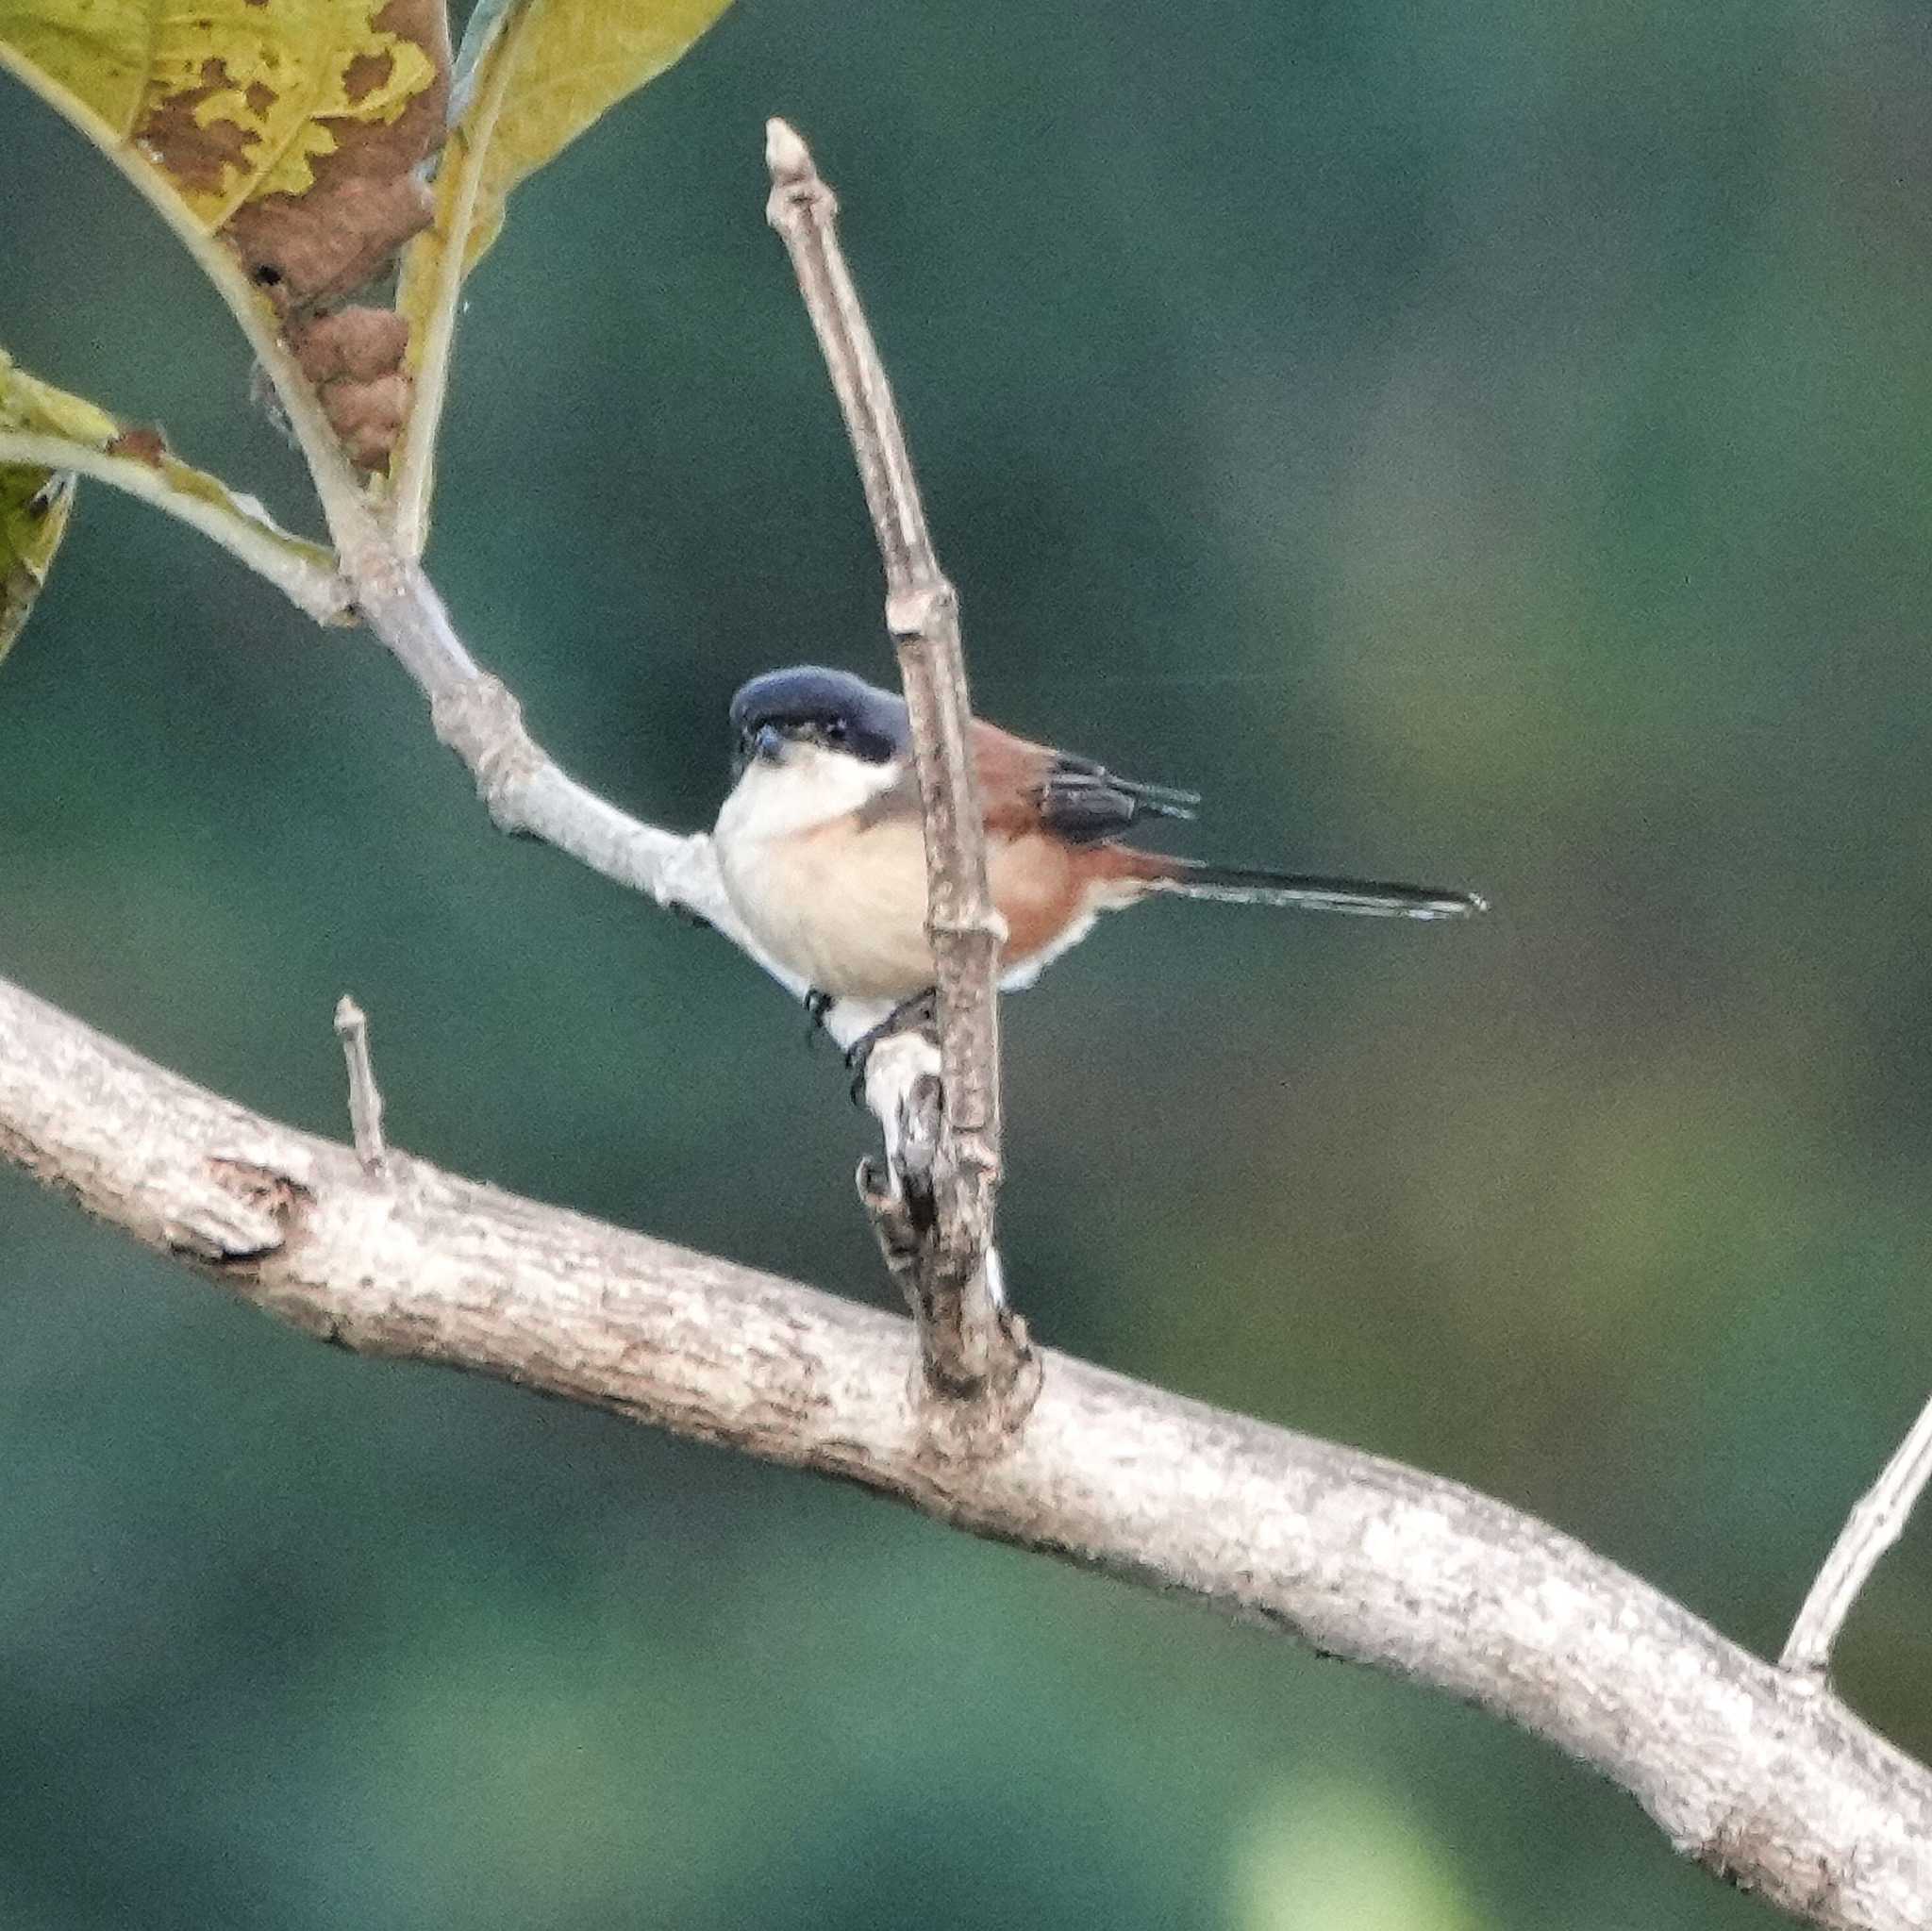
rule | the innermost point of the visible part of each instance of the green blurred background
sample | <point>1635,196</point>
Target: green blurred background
<point>1484,444</point>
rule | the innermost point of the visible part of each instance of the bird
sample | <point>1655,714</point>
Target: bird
<point>821,845</point>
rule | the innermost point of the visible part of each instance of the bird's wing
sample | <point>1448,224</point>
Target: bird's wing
<point>1032,788</point>
<point>1087,803</point>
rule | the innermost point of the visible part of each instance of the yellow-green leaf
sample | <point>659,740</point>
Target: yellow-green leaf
<point>565,63</point>
<point>33,514</point>
<point>234,98</point>
<point>97,50</point>
<point>531,76</point>
<point>241,103</point>
<point>35,499</point>
<point>47,435</point>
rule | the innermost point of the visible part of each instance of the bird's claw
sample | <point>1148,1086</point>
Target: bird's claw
<point>817,1005</point>
<point>919,1011</point>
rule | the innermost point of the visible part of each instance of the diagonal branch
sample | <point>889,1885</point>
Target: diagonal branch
<point>525,791</point>
<point>971,1344</point>
<point>1773,1785</point>
<point>1874,1526</point>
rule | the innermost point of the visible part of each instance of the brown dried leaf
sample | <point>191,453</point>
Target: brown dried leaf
<point>354,357</point>
<point>357,200</point>
<point>359,343</point>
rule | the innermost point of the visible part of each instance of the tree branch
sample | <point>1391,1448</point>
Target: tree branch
<point>935,1215</point>
<point>1774,1786</point>
<point>522,787</point>
<point>1874,1526</point>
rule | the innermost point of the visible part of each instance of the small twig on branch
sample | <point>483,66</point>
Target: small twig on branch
<point>365,1097</point>
<point>1874,1526</point>
<point>971,1344</point>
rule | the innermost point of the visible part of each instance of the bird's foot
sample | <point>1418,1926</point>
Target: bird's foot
<point>817,1005</point>
<point>910,1015</point>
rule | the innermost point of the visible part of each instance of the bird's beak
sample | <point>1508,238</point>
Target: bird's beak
<point>762,745</point>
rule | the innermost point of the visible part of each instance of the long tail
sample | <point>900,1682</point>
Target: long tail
<point>1364,897</point>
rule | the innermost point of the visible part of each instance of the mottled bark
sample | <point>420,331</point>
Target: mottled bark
<point>1761,1777</point>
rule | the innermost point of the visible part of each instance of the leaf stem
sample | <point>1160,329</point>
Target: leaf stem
<point>414,473</point>
<point>305,572</point>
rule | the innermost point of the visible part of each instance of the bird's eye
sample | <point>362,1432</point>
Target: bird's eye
<point>835,730</point>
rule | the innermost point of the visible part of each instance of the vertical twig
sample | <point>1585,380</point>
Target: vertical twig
<point>970,1340</point>
<point>1874,1526</point>
<point>365,1098</point>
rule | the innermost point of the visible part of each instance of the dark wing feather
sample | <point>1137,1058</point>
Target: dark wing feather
<point>1028,788</point>
<point>1087,803</point>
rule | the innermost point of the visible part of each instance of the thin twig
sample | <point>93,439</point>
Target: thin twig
<point>970,1344</point>
<point>365,1097</point>
<point>1874,1526</point>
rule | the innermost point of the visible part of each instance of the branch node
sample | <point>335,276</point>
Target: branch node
<point>985,925</point>
<point>249,1214</point>
<point>483,723</point>
<point>365,1097</point>
<point>915,614</point>
<point>221,1232</point>
<point>981,1419</point>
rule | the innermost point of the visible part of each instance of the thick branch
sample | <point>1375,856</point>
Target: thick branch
<point>969,1344</point>
<point>1774,1786</point>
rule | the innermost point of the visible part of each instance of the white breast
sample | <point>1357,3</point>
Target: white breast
<point>840,902</point>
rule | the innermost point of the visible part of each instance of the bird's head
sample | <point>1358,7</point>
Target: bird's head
<point>807,704</point>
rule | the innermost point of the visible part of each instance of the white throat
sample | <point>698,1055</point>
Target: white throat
<point>805,786</point>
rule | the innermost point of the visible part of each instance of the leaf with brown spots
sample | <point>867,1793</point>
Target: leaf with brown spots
<point>294,127</point>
